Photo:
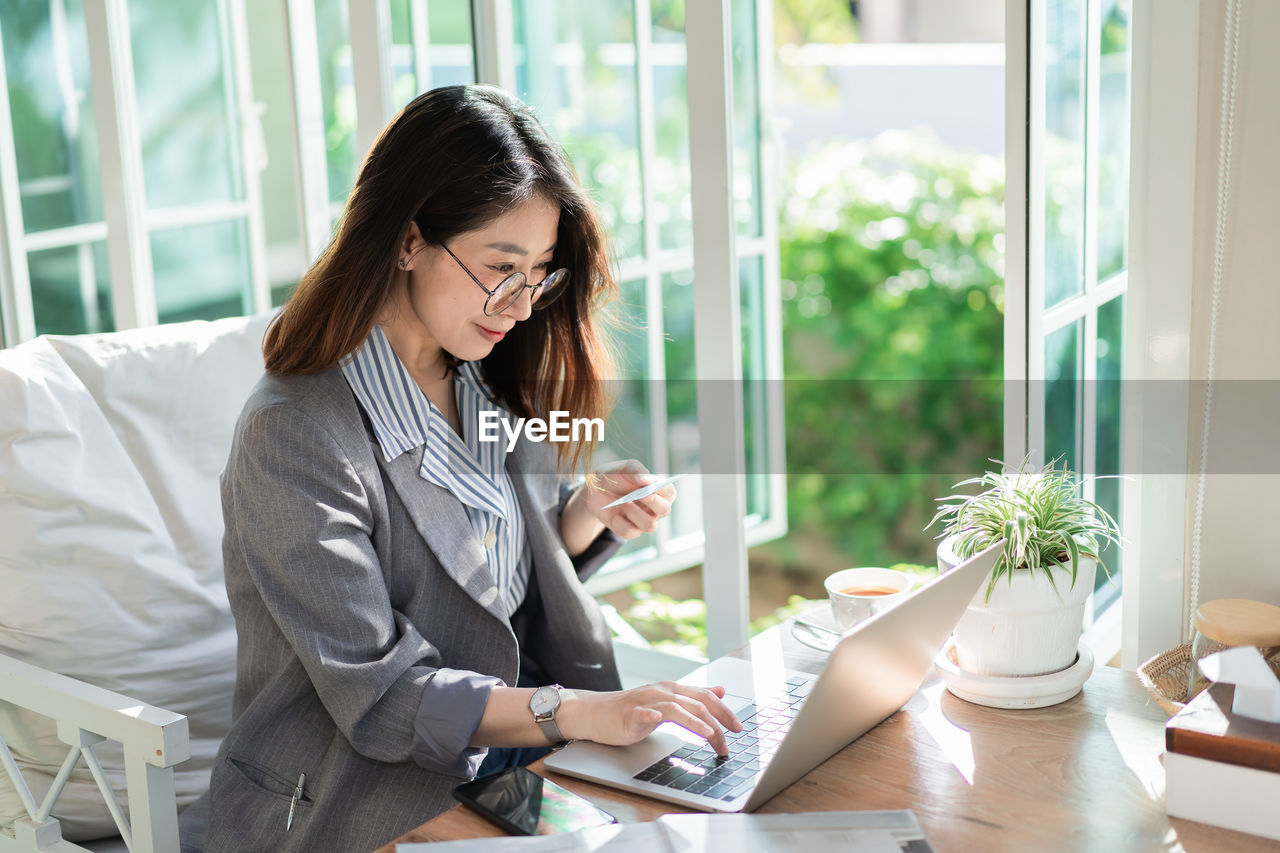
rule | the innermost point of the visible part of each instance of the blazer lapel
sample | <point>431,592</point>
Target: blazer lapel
<point>442,522</point>
<point>537,490</point>
<point>582,639</point>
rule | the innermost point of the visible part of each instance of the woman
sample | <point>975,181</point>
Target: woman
<point>400,587</point>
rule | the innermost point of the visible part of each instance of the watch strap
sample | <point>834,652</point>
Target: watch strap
<point>552,731</point>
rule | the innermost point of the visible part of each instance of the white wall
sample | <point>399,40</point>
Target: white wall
<point>1241,501</point>
<point>956,91</point>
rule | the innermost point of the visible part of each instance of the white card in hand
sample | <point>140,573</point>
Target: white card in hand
<point>644,491</point>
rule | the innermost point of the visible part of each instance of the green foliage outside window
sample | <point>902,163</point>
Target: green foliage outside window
<point>680,626</point>
<point>892,285</point>
<point>814,21</point>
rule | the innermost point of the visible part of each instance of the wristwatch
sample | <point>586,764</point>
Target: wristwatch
<point>544,703</point>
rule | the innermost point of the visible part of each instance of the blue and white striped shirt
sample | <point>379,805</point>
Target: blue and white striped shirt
<point>474,472</point>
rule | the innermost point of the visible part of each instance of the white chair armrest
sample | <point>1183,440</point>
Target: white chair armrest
<point>154,741</point>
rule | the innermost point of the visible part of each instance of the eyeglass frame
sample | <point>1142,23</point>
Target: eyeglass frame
<point>533,297</point>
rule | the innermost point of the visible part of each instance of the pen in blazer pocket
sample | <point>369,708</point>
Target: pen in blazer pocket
<point>293,804</point>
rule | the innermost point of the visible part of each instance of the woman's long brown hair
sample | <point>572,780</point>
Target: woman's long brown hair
<point>454,159</point>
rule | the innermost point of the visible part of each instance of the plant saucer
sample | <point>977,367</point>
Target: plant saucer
<point>1005,691</point>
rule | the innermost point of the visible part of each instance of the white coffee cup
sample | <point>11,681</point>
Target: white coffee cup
<point>858,593</point>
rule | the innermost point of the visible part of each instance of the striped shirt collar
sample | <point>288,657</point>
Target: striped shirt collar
<point>403,419</point>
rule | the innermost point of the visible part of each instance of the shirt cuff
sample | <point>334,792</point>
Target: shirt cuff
<point>452,704</point>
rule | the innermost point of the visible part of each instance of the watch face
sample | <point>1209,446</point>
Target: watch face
<point>545,700</point>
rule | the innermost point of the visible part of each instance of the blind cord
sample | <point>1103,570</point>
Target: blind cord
<point>1226,133</point>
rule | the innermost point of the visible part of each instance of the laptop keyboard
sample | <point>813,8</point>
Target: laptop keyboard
<point>698,770</point>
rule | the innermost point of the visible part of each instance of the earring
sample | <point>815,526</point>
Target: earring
<point>404,264</point>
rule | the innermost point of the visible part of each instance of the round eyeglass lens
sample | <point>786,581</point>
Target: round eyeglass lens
<point>552,286</point>
<point>507,292</point>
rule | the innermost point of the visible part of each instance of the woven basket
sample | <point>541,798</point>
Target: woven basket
<point>1165,677</point>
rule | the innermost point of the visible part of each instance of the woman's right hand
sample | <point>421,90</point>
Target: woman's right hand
<point>624,717</point>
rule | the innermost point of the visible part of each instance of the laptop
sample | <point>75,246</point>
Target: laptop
<point>792,721</point>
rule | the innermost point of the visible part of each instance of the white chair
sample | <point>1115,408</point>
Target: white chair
<point>117,647</point>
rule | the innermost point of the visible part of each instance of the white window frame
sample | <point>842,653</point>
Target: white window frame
<point>128,223</point>
<point>369,31</point>
<point>16,311</point>
<point>715,258</point>
<point>1166,45</point>
<point>308,127</point>
<point>1028,323</point>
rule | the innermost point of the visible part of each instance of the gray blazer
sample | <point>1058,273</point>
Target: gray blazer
<point>354,584</point>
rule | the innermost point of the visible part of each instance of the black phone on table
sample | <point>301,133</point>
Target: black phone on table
<point>524,803</point>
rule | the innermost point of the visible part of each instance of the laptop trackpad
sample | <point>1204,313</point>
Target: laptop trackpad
<point>741,678</point>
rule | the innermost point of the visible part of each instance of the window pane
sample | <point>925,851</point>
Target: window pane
<point>202,271</point>
<point>1062,353</point>
<point>1113,139</point>
<point>673,202</point>
<point>1062,156</point>
<point>404,83</point>
<point>1107,491</point>
<point>186,102</point>
<point>682,397</point>
<point>51,105</point>
<point>582,82</point>
<point>452,58</point>
<point>755,411</point>
<point>444,58</point>
<point>629,433</point>
<point>746,121</point>
<point>337,91</point>
<point>71,290</point>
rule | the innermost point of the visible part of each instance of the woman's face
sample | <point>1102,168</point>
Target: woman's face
<point>441,306</point>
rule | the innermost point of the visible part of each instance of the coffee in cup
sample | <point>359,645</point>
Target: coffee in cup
<point>858,593</point>
<point>870,590</point>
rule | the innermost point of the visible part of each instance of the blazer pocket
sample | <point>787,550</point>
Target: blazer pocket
<point>268,781</point>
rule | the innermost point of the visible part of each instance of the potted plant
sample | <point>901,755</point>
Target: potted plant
<point>1027,619</point>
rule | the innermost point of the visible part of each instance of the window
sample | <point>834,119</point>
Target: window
<point>133,198</point>
<point>1076,197</point>
<point>399,48</point>
<point>611,81</point>
<point>170,162</point>
<point>611,84</point>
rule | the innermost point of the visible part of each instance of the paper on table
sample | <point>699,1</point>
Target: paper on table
<point>618,838</point>
<point>782,833</point>
<point>859,832</point>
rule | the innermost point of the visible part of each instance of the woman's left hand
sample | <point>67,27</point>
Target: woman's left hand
<point>633,518</point>
<point>585,515</point>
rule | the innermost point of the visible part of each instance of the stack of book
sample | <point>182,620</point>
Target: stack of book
<point>1222,768</point>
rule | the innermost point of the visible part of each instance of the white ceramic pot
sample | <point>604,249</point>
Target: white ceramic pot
<point>1029,626</point>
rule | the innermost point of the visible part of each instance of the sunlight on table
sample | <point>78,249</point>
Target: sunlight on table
<point>1140,747</point>
<point>954,741</point>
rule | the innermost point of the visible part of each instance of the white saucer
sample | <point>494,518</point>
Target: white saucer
<point>815,638</point>
<point>1002,691</point>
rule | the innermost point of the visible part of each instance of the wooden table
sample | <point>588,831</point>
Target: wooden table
<point>1082,775</point>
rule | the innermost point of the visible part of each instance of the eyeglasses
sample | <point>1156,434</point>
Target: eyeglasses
<point>509,289</point>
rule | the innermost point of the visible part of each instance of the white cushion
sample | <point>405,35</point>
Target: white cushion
<point>111,566</point>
